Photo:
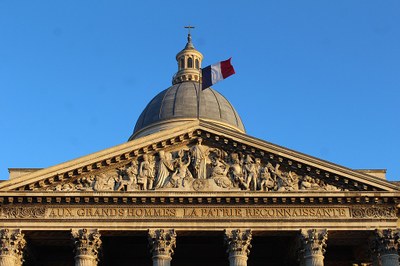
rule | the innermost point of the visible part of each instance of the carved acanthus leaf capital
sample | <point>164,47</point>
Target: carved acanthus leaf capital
<point>313,242</point>
<point>162,242</point>
<point>386,241</point>
<point>12,243</point>
<point>238,241</point>
<point>86,242</point>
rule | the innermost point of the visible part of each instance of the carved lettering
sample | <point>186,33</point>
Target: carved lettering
<point>221,212</point>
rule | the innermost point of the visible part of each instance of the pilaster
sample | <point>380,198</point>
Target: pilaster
<point>313,244</point>
<point>12,244</point>
<point>87,246</point>
<point>238,246</point>
<point>162,243</point>
<point>387,245</point>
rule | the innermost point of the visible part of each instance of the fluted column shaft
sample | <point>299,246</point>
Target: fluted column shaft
<point>387,245</point>
<point>87,246</point>
<point>313,247</point>
<point>12,244</point>
<point>238,246</point>
<point>6,260</point>
<point>162,243</point>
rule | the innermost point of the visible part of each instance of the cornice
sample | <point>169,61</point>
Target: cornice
<point>147,197</point>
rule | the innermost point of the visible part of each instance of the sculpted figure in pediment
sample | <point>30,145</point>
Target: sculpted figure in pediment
<point>146,175</point>
<point>104,182</point>
<point>219,169</point>
<point>251,171</point>
<point>236,172</point>
<point>199,155</point>
<point>286,181</point>
<point>182,175</point>
<point>164,169</point>
<point>267,182</point>
<point>127,178</point>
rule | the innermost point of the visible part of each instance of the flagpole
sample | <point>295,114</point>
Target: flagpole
<point>198,95</point>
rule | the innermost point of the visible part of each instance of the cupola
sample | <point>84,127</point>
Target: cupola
<point>189,64</point>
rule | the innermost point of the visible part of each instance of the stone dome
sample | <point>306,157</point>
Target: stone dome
<point>179,104</point>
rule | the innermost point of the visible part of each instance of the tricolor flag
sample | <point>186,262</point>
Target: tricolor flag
<point>214,73</point>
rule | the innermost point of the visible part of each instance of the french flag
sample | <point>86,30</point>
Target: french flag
<point>214,73</point>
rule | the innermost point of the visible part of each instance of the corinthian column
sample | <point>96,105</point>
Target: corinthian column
<point>238,246</point>
<point>162,243</point>
<point>313,244</point>
<point>87,246</point>
<point>12,244</point>
<point>387,244</point>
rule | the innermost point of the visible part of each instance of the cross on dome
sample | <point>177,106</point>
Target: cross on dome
<point>189,62</point>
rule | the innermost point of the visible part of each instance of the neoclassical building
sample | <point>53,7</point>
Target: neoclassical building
<point>190,187</point>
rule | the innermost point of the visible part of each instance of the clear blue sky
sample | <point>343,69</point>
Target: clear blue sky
<point>319,77</point>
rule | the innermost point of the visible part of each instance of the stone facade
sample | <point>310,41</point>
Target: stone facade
<point>193,190</point>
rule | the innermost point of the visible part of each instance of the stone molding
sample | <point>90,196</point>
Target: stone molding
<point>87,244</point>
<point>12,244</point>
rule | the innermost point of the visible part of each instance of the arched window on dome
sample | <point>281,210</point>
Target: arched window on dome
<point>190,63</point>
<point>197,63</point>
<point>182,65</point>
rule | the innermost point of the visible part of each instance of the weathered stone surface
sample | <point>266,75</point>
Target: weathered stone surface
<point>87,246</point>
<point>386,244</point>
<point>313,247</point>
<point>12,244</point>
<point>162,244</point>
<point>238,244</point>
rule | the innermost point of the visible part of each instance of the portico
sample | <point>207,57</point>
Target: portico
<point>190,187</point>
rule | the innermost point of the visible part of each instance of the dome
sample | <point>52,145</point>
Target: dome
<point>179,104</point>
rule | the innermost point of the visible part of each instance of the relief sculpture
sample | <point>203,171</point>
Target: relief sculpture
<point>198,167</point>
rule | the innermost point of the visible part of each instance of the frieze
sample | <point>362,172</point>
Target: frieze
<point>206,212</point>
<point>23,212</point>
<point>373,212</point>
<point>197,167</point>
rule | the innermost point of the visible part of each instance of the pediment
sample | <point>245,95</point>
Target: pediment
<point>197,157</point>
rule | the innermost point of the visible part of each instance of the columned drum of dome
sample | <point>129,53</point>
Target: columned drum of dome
<point>184,101</point>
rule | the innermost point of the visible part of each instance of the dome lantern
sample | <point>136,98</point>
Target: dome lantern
<point>189,64</point>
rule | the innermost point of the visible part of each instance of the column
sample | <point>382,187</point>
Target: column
<point>387,244</point>
<point>87,246</point>
<point>238,246</point>
<point>12,244</point>
<point>374,253</point>
<point>313,244</point>
<point>162,243</point>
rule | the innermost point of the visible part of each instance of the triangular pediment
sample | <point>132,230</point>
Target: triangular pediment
<point>197,157</point>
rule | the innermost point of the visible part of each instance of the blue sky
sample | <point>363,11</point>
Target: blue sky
<point>319,77</point>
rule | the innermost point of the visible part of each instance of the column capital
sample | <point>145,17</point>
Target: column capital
<point>162,242</point>
<point>386,241</point>
<point>238,241</point>
<point>313,241</point>
<point>87,242</point>
<point>12,244</point>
